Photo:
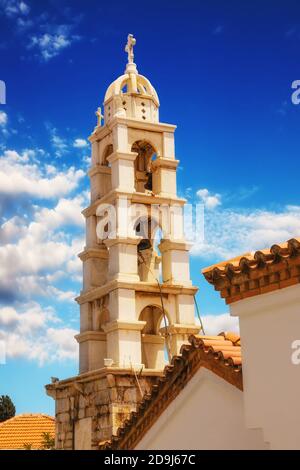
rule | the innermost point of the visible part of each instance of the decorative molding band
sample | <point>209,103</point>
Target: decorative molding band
<point>90,336</point>
<point>130,156</point>
<point>89,253</point>
<point>122,241</point>
<point>99,169</point>
<point>98,292</point>
<point>167,245</point>
<point>166,163</point>
<point>133,197</point>
<point>137,124</point>
<point>123,325</point>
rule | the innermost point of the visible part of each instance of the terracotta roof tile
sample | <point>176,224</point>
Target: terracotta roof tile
<point>256,273</point>
<point>25,429</point>
<point>220,354</point>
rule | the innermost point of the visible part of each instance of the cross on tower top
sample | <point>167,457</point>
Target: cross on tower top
<point>131,41</point>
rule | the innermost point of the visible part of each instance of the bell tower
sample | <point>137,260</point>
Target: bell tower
<point>135,302</point>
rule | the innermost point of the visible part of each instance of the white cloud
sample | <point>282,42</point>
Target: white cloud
<point>13,8</point>
<point>232,232</point>
<point>38,249</point>
<point>24,8</point>
<point>12,230</point>
<point>37,253</point>
<point>80,143</point>
<point>43,35</point>
<point>50,44</point>
<point>19,174</point>
<point>66,212</point>
<point>3,119</point>
<point>210,201</point>
<point>215,324</point>
<point>31,332</point>
<point>61,295</point>
<point>60,145</point>
<point>63,339</point>
<point>23,24</point>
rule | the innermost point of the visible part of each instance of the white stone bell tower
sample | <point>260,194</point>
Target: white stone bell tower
<point>135,302</point>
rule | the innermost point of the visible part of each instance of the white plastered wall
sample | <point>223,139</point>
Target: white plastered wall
<point>207,414</point>
<point>269,324</point>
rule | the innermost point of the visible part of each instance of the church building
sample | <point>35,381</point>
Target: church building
<point>149,378</point>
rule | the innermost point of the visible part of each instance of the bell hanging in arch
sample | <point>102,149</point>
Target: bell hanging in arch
<point>144,244</point>
<point>148,185</point>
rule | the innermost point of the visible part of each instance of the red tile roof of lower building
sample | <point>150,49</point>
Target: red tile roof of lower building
<point>25,429</point>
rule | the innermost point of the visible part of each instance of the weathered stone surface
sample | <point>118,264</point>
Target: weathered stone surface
<point>106,433</point>
<point>108,407</point>
<point>104,409</point>
<point>100,384</point>
<point>63,393</point>
<point>102,398</point>
<point>124,381</point>
<point>62,405</point>
<point>113,394</point>
<point>82,401</point>
<point>90,411</point>
<point>64,417</point>
<point>130,395</point>
<point>111,381</point>
<point>104,422</point>
<point>89,388</point>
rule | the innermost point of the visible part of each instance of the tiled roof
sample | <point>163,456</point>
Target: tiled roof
<point>25,429</point>
<point>257,273</point>
<point>221,354</point>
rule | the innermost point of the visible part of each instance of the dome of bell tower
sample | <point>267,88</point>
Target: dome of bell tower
<point>131,95</point>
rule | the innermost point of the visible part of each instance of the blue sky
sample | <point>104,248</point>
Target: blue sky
<point>223,72</point>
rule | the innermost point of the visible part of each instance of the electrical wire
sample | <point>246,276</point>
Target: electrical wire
<point>166,335</point>
<point>199,317</point>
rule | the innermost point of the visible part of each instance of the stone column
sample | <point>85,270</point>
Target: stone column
<point>153,351</point>
<point>175,262</point>
<point>95,266</point>
<point>178,335</point>
<point>100,177</point>
<point>121,334</point>
<point>123,264</point>
<point>164,176</point>
<point>92,346</point>
<point>122,170</point>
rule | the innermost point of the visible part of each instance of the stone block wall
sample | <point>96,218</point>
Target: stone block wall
<point>106,400</point>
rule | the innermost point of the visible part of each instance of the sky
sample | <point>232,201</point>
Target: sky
<point>223,72</point>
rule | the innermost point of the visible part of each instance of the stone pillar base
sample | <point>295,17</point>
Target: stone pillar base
<point>179,335</point>
<point>119,335</point>
<point>92,350</point>
<point>153,351</point>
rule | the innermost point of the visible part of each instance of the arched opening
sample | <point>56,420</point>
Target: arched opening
<point>154,348</point>
<point>148,256</point>
<point>107,152</point>
<point>153,315</point>
<point>143,165</point>
<point>100,314</point>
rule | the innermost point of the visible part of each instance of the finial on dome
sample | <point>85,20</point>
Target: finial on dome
<point>131,66</point>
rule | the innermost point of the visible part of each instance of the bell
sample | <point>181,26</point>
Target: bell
<point>148,185</point>
<point>144,244</point>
